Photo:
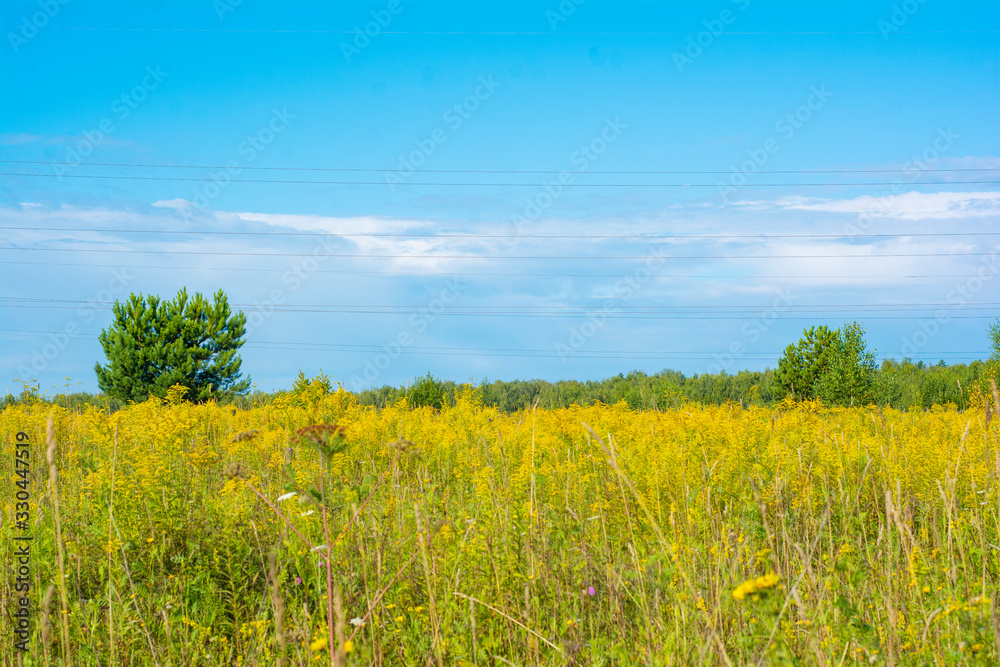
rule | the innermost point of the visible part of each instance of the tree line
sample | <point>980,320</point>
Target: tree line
<point>833,366</point>
<point>898,384</point>
<point>153,344</point>
<point>902,385</point>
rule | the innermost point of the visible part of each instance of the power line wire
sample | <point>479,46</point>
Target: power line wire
<point>464,274</point>
<point>643,237</point>
<point>504,185</point>
<point>920,304</point>
<point>504,171</point>
<point>485,352</point>
<point>493,257</point>
<point>516,33</point>
<point>688,316</point>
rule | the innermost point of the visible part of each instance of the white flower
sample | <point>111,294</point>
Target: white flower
<point>286,496</point>
<point>306,513</point>
<point>356,621</point>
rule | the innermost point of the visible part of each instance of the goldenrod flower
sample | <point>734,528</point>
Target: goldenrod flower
<point>749,586</point>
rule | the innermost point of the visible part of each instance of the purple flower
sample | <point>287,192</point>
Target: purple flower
<point>591,592</point>
<point>298,580</point>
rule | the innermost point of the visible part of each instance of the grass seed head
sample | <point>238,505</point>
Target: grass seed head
<point>236,470</point>
<point>244,436</point>
<point>320,434</point>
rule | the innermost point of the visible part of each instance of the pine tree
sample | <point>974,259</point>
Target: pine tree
<point>832,365</point>
<point>153,344</point>
<point>804,363</point>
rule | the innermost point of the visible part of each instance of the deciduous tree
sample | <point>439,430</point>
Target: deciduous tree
<point>849,378</point>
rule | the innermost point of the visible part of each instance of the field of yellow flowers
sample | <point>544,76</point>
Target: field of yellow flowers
<point>211,535</point>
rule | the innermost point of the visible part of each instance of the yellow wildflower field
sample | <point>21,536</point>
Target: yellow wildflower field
<point>200,534</point>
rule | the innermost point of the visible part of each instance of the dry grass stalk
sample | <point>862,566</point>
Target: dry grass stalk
<point>338,652</point>
<point>335,623</point>
<point>111,516</point>
<point>135,597</point>
<point>279,606</point>
<point>280,515</point>
<point>46,623</point>
<point>327,558</point>
<point>428,578</point>
<point>509,618</point>
<point>381,594</point>
<point>995,618</point>
<point>50,457</point>
<point>996,396</point>
<point>692,592</point>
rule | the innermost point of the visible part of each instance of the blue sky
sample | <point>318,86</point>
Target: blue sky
<point>441,254</point>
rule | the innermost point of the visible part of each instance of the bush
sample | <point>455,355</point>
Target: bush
<point>428,391</point>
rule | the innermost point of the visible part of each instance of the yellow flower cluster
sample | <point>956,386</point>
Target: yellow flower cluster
<point>751,586</point>
<point>514,506</point>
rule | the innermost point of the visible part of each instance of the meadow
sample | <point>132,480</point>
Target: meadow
<point>722,535</point>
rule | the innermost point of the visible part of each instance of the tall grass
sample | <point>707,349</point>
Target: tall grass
<point>598,535</point>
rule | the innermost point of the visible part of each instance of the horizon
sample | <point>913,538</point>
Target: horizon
<point>481,382</point>
<point>534,190</point>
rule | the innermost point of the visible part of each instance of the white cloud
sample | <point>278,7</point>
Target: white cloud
<point>330,225</point>
<point>179,204</point>
<point>756,227</point>
<point>411,253</point>
<point>906,206</point>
